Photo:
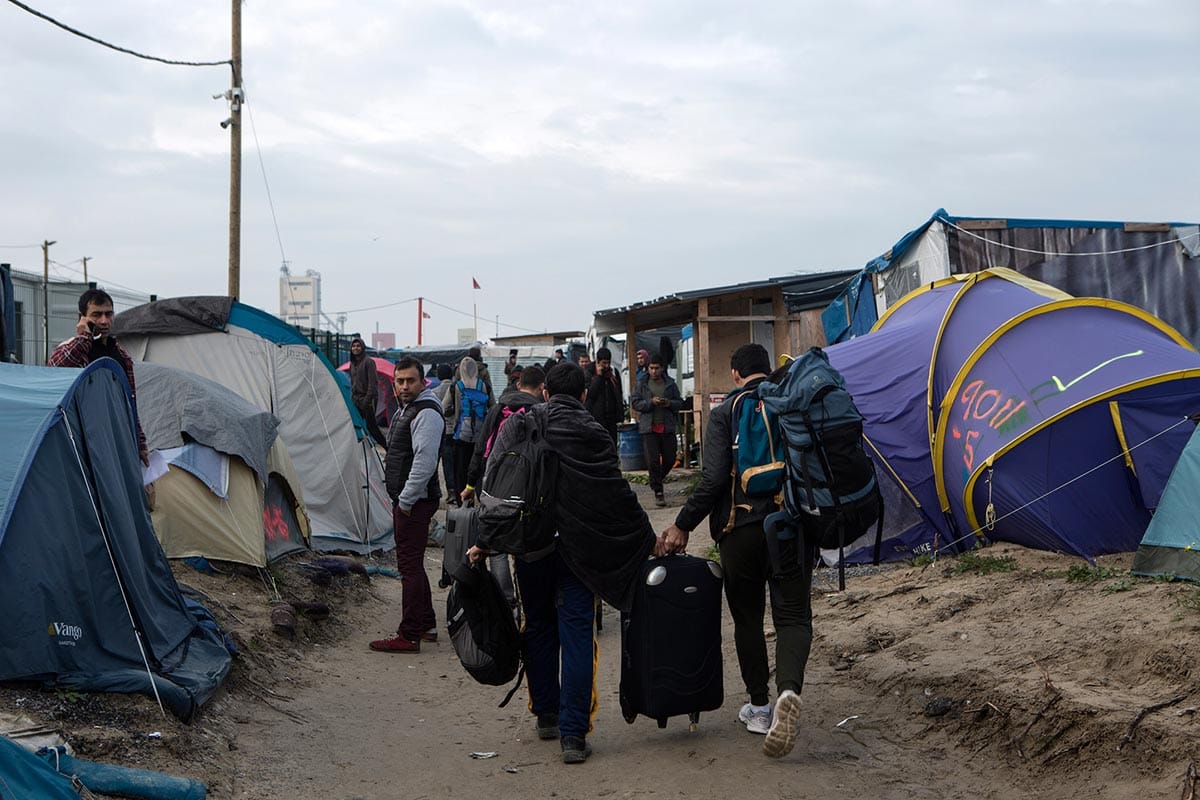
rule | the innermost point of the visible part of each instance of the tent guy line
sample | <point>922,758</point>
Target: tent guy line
<point>992,519</point>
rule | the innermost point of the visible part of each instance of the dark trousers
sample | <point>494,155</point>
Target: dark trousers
<point>462,463</point>
<point>367,409</point>
<point>411,532</point>
<point>452,489</point>
<point>559,612</point>
<point>747,570</point>
<point>659,449</point>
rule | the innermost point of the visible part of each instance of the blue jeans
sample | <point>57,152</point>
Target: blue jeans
<point>559,614</point>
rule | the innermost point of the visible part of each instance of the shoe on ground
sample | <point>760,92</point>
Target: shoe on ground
<point>429,635</point>
<point>547,726</point>
<point>575,750</point>
<point>397,644</point>
<point>757,720</point>
<point>785,725</point>
<point>660,500</point>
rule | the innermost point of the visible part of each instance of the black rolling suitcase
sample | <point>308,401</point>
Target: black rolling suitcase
<point>671,641</point>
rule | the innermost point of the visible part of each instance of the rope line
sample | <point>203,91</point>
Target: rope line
<point>112,46</point>
<point>1081,476</point>
<point>1048,253</point>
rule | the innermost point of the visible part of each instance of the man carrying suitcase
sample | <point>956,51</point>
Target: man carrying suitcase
<point>602,542</point>
<point>736,524</point>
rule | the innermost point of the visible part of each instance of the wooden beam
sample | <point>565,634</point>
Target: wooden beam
<point>631,349</point>
<point>739,318</point>
<point>982,224</point>
<point>1147,227</point>
<point>700,353</point>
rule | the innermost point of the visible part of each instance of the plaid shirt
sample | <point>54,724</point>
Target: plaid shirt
<point>77,352</point>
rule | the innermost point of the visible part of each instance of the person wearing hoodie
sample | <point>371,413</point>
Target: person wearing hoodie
<point>364,389</point>
<point>444,373</point>
<point>476,354</point>
<point>414,444</point>
<point>465,406</point>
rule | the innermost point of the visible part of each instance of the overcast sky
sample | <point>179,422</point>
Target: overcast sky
<point>575,156</point>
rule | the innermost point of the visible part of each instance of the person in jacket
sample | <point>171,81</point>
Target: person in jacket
<point>603,540</point>
<point>445,373</point>
<point>605,400</point>
<point>465,406</point>
<point>476,355</point>
<point>516,399</point>
<point>93,340</point>
<point>657,400</point>
<point>364,387</point>
<point>736,523</point>
<point>414,442</point>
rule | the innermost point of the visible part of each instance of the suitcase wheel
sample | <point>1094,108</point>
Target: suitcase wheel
<point>629,717</point>
<point>693,721</point>
<point>662,722</point>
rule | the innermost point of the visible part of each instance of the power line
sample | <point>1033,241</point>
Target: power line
<point>97,278</point>
<point>376,308</point>
<point>469,314</point>
<point>270,202</point>
<point>19,246</point>
<point>112,46</point>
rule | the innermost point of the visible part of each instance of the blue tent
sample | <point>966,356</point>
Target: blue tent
<point>1171,545</point>
<point>87,598</point>
<point>1000,408</point>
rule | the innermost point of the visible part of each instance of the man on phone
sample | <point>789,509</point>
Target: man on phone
<point>93,340</point>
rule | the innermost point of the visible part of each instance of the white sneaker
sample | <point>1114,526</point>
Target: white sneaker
<point>757,720</point>
<point>785,725</point>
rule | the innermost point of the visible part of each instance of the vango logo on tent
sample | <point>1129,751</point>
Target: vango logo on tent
<point>64,631</point>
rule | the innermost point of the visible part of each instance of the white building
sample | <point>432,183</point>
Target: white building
<point>300,298</point>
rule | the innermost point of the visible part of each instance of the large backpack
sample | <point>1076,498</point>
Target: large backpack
<point>830,477</point>
<point>505,413</point>
<point>482,628</point>
<point>516,500</point>
<point>474,409</point>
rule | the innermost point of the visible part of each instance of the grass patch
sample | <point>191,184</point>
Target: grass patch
<point>1119,586</point>
<point>713,553</point>
<point>973,561</point>
<point>1083,573</point>
<point>637,477</point>
<point>922,560</point>
<point>691,485</point>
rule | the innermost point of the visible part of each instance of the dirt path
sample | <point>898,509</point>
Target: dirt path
<point>385,726</point>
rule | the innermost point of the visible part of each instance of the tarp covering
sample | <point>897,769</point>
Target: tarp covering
<point>1171,545</point>
<point>272,366</point>
<point>1151,266</point>
<point>998,409</point>
<point>83,579</point>
<point>175,317</point>
<point>176,406</point>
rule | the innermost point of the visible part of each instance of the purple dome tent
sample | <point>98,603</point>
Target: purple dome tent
<point>1000,408</point>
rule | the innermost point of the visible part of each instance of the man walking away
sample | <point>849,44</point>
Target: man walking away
<point>364,387</point>
<point>657,400</point>
<point>604,396</point>
<point>736,523</point>
<point>414,440</point>
<point>603,540</point>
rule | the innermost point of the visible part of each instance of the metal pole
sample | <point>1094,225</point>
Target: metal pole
<point>46,292</point>
<point>420,317</point>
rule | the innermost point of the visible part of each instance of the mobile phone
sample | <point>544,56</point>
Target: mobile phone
<point>92,329</point>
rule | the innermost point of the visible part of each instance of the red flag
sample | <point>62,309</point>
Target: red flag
<point>475,284</point>
<point>425,315</point>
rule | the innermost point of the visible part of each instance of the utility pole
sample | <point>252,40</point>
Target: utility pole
<point>85,259</point>
<point>46,291</point>
<point>420,318</point>
<point>235,157</point>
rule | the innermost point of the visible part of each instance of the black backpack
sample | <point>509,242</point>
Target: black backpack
<point>516,500</point>
<point>482,628</point>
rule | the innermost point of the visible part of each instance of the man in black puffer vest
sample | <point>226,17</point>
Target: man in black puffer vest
<point>414,444</point>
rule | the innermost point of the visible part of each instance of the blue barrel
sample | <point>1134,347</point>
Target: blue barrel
<point>629,447</point>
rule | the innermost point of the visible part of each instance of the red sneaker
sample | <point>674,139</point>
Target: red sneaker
<point>396,644</point>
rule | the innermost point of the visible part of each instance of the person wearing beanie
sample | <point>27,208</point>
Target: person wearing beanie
<point>605,400</point>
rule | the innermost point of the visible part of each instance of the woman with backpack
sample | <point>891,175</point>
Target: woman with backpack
<point>464,407</point>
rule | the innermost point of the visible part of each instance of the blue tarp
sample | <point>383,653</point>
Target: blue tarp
<point>87,598</point>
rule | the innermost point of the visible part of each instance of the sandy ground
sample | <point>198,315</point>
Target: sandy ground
<point>943,680</point>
